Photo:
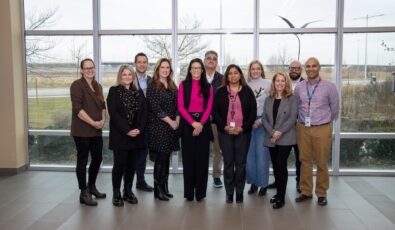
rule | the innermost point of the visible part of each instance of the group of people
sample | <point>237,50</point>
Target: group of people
<point>250,120</point>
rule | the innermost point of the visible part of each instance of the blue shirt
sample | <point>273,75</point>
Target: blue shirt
<point>143,82</point>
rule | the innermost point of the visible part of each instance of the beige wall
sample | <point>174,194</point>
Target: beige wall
<point>13,150</point>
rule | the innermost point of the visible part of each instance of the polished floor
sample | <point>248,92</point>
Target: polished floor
<point>49,200</point>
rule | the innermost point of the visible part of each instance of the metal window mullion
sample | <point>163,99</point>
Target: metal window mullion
<point>338,82</point>
<point>174,55</point>
<point>96,38</point>
<point>256,29</point>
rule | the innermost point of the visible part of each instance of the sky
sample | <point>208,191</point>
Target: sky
<point>156,14</point>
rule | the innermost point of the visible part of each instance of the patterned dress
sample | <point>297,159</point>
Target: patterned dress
<point>162,138</point>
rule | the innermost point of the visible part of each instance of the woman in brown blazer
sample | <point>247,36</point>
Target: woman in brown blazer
<point>88,116</point>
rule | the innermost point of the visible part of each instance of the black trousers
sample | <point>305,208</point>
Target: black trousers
<point>279,156</point>
<point>297,162</point>
<point>142,162</point>
<point>195,161</point>
<point>84,146</point>
<point>234,151</point>
<point>124,166</point>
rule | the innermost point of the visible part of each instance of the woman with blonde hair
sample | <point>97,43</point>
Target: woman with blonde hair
<point>279,118</point>
<point>258,156</point>
<point>128,112</point>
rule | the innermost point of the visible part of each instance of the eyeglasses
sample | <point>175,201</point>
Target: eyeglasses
<point>89,68</point>
<point>196,68</point>
<point>294,68</point>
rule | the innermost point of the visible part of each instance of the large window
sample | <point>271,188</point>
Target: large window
<point>358,58</point>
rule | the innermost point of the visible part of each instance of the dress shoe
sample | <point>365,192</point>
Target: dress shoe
<point>144,187</point>
<point>117,198</point>
<point>262,191</point>
<point>322,201</point>
<point>298,188</point>
<point>302,198</point>
<point>130,197</point>
<point>239,198</point>
<point>229,198</point>
<point>272,185</point>
<point>200,199</point>
<point>86,198</point>
<point>273,199</point>
<point>93,190</point>
<point>278,204</point>
<point>253,189</point>
<point>189,199</point>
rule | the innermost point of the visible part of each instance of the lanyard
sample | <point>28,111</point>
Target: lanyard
<point>232,100</point>
<point>310,96</point>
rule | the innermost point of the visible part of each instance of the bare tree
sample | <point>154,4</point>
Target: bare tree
<point>36,47</point>
<point>78,52</point>
<point>280,60</point>
<point>188,44</point>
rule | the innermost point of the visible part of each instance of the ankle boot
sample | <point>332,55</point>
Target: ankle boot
<point>159,193</point>
<point>93,191</point>
<point>128,195</point>
<point>117,198</point>
<point>86,198</point>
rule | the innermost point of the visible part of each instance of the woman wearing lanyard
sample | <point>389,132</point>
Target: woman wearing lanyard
<point>234,112</point>
<point>258,155</point>
<point>195,99</point>
<point>128,116</point>
<point>279,118</point>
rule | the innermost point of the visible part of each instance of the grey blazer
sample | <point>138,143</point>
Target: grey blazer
<point>285,121</point>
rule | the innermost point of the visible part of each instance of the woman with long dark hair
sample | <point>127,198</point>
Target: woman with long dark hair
<point>234,113</point>
<point>128,116</point>
<point>195,99</point>
<point>163,122</point>
<point>87,121</point>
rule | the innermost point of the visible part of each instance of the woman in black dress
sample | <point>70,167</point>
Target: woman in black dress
<point>163,121</point>
<point>128,112</point>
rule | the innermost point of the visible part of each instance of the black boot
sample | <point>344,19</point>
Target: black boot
<point>253,189</point>
<point>165,176</point>
<point>128,195</point>
<point>93,191</point>
<point>117,198</point>
<point>159,193</point>
<point>86,198</point>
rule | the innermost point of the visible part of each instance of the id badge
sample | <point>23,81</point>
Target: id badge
<point>232,124</point>
<point>307,121</point>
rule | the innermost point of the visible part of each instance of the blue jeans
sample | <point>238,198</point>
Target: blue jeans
<point>258,159</point>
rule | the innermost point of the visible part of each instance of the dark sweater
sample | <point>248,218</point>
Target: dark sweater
<point>221,105</point>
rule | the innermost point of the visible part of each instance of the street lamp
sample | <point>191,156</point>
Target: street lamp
<point>296,34</point>
<point>366,39</point>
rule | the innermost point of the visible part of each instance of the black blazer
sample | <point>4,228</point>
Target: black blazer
<point>119,125</point>
<point>221,105</point>
<point>217,81</point>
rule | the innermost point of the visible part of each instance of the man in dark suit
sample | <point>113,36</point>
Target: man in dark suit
<point>215,79</point>
<point>295,73</point>
<point>141,64</point>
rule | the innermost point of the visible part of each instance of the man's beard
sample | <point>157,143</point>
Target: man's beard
<point>295,77</point>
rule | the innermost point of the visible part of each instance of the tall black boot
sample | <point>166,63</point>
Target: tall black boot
<point>117,198</point>
<point>128,195</point>
<point>159,193</point>
<point>165,175</point>
<point>86,198</point>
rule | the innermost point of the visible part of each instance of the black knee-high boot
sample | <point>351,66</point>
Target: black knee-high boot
<point>166,179</point>
<point>158,182</point>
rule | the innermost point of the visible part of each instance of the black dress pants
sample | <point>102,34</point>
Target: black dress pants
<point>279,156</point>
<point>195,161</point>
<point>297,162</point>
<point>124,166</point>
<point>142,162</point>
<point>234,151</point>
<point>84,146</point>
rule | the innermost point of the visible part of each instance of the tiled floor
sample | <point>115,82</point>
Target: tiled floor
<point>49,200</point>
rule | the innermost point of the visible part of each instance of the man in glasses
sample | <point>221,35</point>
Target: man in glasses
<point>318,107</point>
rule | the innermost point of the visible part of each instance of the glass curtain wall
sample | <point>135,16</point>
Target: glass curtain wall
<point>354,41</point>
